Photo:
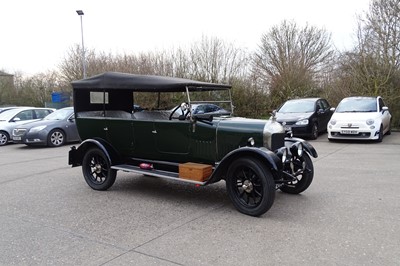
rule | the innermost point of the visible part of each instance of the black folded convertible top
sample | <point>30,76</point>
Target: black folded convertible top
<point>147,83</point>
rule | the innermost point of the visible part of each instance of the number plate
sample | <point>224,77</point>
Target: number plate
<point>351,132</point>
<point>16,138</point>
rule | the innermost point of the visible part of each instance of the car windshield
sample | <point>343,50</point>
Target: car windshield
<point>351,105</point>
<point>7,114</point>
<point>297,107</point>
<point>59,114</point>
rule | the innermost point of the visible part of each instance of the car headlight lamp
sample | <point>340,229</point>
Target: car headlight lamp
<point>37,129</point>
<point>302,122</point>
<point>297,149</point>
<point>332,122</point>
<point>370,122</point>
<point>284,155</point>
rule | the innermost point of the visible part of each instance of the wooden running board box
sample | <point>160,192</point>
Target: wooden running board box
<point>195,171</point>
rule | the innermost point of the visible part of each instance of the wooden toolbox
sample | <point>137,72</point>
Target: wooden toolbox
<point>195,171</point>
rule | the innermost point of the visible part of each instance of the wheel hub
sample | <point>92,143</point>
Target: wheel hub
<point>97,168</point>
<point>247,186</point>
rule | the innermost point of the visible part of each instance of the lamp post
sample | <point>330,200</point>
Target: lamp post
<point>80,13</point>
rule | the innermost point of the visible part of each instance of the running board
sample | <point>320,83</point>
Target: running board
<point>152,172</point>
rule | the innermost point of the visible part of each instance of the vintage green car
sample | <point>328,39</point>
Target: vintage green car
<point>253,156</point>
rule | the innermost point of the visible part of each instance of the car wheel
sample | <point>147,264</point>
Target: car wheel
<point>380,137</point>
<point>314,131</point>
<point>303,181</point>
<point>97,170</point>
<point>4,138</point>
<point>250,186</point>
<point>56,138</point>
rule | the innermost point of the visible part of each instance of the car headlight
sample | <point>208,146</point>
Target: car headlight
<point>36,129</point>
<point>302,122</point>
<point>370,122</point>
<point>332,122</point>
<point>297,149</point>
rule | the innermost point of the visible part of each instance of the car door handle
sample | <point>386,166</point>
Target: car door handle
<point>154,131</point>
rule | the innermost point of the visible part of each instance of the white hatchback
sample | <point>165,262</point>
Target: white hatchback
<point>361,118</point>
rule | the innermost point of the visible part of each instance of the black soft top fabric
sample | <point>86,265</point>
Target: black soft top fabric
<point>144,83</point>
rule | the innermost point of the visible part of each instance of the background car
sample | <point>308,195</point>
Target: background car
<point>12,118</point>
<point>305,117</point>
<point>204,108</point>
<point>54,130</point>
<point>363,118</point>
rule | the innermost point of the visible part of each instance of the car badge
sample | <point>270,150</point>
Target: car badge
<point>283,123</point>
<point>349,124</point>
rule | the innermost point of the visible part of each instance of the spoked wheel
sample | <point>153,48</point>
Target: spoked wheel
<point>4,138</point>
<point>97,170</point>
<point>304,180</point>
<point>250,186</point>
<point>56,138</point>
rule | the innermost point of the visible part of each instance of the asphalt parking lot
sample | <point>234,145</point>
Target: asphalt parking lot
<point>350,215</point>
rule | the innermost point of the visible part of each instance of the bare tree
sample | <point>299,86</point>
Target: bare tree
<point>373,67</point>
<point>291,60</point>
<point>214,60</point>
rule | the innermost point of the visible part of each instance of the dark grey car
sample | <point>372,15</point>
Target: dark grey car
<point>305,117</point>
<point>54,130</point>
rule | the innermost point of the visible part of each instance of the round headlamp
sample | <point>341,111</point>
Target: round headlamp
<point>297,149</point>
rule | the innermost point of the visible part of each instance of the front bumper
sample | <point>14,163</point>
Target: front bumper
<point>356,131</point>
<point>39,138</point>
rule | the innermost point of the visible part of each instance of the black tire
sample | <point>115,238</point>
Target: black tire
<point>380,137</point>
<point>97,170</point>
<point>56,138</point>
<point>4,138</point>
<point>314,131</point>
<point>304,181</point>
<point>250,186</point>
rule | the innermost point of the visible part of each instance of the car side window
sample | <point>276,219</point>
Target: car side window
<point>25,115</point>
<point>325,104</point>
<point>41,113</point>
<point>319,105</point>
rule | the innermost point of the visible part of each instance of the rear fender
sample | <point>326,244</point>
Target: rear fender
<point>307,146</point>
<point>75,156</point>
<point>270,159</point>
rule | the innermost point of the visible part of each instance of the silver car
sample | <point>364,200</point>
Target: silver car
<point>54,130</point>
<point>12,118</point>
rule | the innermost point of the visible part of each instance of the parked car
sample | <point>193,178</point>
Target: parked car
<point>360,118</point>
<point>56,129</point>
<point>12,118</point>
<point>305,117</point>
<point>252,156</point>
<point>204,108</point>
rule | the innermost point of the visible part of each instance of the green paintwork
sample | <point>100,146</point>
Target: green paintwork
<point>174,140</point>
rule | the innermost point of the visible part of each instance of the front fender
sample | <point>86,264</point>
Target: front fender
<point>263,154</point>
<point>75,156</point>
<point>307,146</point>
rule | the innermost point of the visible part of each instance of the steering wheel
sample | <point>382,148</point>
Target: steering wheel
<point>184,107</point>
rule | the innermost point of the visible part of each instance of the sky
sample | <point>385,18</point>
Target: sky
<point>37,35</point>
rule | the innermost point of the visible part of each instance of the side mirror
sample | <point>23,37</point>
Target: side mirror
<point>16,119</point>
<point>384,109</point>
<point>332,109</point>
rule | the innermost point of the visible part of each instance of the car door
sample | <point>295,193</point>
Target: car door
<point>70,128</point>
